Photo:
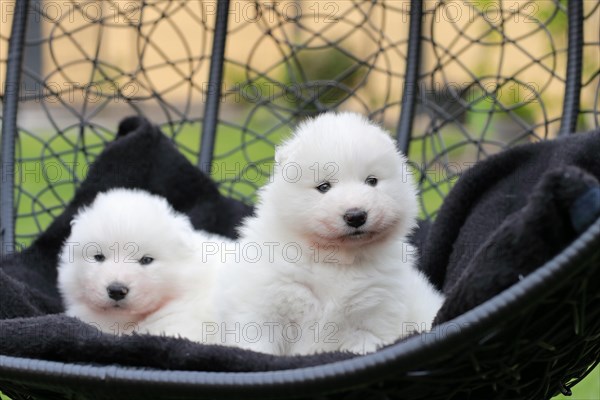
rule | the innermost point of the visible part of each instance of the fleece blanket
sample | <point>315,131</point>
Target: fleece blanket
<point>504,218</point>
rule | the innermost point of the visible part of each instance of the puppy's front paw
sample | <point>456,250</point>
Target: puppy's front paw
<point>265,347</point>
<point>361,342</point>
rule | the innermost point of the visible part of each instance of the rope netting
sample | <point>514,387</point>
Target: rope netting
<point>492,75</point>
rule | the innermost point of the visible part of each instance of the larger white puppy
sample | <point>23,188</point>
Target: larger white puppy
<point>132,263</point>
<point>333,270</point>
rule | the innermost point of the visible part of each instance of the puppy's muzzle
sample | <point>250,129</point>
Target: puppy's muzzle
<point>355,217</point>
<point>117,291</point>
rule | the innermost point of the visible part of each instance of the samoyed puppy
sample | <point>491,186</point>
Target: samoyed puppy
<point>132,263</point>
<point>326,264</point>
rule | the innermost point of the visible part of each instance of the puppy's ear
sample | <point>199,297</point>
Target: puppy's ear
<point>394,144</point>
<point>77,216</point>
<point>283,152</point>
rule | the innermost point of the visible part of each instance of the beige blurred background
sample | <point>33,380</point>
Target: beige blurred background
<point>165,56</point>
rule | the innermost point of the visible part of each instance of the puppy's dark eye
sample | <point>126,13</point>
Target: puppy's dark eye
<point>146,260</point>
<point>371,181</point>
<point>324,187</point>
<point>99,257</point>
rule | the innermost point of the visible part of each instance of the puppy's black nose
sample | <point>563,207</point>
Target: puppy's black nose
<point>355,217</point>
<point>117,291</point>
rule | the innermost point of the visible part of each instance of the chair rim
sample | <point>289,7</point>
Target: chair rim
<point>360,370</point>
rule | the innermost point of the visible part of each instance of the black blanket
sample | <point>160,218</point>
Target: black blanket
<point>492,230</point>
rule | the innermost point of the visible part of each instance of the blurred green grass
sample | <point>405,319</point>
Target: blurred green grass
<point>588,389</point>
<point>47,169</point>
<point>48,166</point>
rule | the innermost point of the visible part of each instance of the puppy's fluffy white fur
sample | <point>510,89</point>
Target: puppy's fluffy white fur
<point>169,295</point>
<point>321,284</point>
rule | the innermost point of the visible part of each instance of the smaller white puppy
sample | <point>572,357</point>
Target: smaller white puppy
<point>132,263</point>
<point>333,269</point>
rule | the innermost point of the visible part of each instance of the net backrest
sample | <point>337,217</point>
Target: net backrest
<point>492,75</point>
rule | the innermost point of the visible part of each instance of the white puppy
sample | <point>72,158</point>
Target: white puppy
<point>325,263</point>
<point>132,263</point>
